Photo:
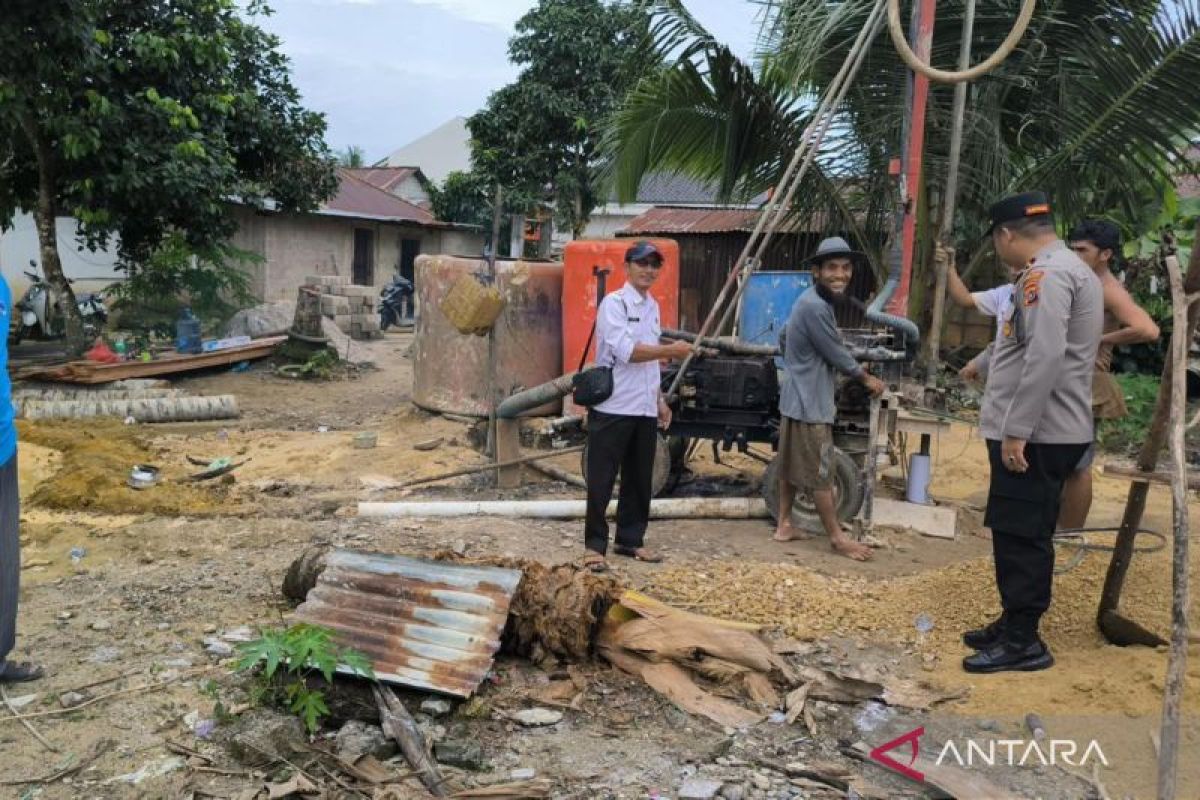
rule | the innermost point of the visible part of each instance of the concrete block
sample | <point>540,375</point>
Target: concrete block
<point>937,521</point>
<point>332,305</point>
<point>351,290</point>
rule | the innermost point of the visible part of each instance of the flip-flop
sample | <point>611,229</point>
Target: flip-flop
<point>594,562</point>
<point>644,556</point>
<point>19,672</point>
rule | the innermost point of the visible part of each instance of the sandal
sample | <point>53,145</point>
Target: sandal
<point>639,554</point>
<point>594,562</point>
<point>19,672</point>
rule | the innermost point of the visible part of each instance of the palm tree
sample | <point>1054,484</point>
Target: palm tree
<point>353,157</point>
<point>1097,107</point>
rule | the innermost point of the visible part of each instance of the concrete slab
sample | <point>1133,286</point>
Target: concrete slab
<point>937,521</point>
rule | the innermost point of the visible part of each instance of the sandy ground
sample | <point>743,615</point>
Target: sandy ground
<point>165,568</point>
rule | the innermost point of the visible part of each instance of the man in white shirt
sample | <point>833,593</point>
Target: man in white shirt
<point>622,433</point>
<point>996,302</point>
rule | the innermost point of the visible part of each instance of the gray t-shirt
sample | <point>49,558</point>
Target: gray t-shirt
<point>812,350</point>
<point>1040,377</point>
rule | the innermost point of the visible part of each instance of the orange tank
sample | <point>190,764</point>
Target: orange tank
<point>582,259</point>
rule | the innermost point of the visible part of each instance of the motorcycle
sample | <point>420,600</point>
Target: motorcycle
<point>394,302</point>
<point>41,310</point>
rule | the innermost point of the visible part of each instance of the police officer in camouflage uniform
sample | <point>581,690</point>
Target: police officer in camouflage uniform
<point>1037,420</point>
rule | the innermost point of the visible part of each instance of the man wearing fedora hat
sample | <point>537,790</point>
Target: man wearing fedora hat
<point>1037,419</point>
<point>812,352</point>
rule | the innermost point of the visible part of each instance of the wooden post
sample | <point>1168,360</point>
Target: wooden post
<point>1168,760</point>
<point>493,394</point>
<point>1116,628</point>
<point>508,448</point>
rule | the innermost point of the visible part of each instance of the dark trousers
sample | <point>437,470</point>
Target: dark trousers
<point>10,555</point>
<point>1022,512</point>
<point>619,442</point>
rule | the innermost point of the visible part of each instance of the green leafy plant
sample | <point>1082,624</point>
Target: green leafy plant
<point>1126,434</point>
<point>294,654</point>
<point>213,281</point>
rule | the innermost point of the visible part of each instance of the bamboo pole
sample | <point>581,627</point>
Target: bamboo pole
<point>1168,761</point>
<point>942,265</point>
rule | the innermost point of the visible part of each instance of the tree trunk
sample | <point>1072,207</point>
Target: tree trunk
<point>1117,629</point>
<point>44,216</point>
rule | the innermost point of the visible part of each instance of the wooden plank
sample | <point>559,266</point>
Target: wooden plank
<point>1135,475</point>
<point>91,372</point>
<point>951,780</point>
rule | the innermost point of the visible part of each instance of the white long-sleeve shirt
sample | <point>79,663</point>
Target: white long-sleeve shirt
<point>624,319</point>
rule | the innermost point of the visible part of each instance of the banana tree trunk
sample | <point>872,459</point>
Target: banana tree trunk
<point>1117,629</point>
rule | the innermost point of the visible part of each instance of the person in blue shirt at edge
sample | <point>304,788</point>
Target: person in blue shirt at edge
<point>812,352</point>
<point>10,514</point>
<point>621,431</point>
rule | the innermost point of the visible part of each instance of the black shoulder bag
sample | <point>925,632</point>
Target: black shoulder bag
<point>594,386</point>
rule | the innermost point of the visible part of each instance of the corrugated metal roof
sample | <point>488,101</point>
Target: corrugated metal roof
<point>425,624</point>
<point>388,178</point>
<point>666,220</point>
<point>357,198</point>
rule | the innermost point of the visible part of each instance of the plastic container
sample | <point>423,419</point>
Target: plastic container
<point>767,303</point>
<point>187,332</point>
<point>583,262</point>
<point>918,479</point>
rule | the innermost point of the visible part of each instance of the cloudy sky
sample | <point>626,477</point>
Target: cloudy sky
<point>387,71</point>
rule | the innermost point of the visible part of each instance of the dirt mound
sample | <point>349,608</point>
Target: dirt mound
<point>95,465</point>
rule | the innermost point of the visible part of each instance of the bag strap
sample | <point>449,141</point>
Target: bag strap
<point>592,333</point>
<point>588,346</point>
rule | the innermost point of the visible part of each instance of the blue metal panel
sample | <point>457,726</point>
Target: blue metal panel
<point>767,302</point>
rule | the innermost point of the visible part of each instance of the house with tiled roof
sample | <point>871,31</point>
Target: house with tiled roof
<point>365,232</point>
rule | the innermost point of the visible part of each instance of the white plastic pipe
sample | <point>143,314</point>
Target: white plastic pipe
<point>667,508</point>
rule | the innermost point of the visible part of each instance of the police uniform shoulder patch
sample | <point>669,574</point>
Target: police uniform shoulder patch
<point>1031,287</point>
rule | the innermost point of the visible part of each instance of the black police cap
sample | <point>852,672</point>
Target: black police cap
<point>1019,206</point>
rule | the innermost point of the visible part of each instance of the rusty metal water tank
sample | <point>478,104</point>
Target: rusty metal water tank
<point>451,369</point>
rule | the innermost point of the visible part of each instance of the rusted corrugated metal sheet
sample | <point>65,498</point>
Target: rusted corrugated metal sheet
<point>425,624</point>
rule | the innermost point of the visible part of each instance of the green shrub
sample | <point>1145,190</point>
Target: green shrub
<point>300,651</point>
<point>1127,434</point>
<point>214,283</point>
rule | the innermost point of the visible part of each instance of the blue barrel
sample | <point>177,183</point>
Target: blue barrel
<point>767,302</point>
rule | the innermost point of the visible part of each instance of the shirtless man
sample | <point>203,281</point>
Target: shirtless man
<point>1098,243</point>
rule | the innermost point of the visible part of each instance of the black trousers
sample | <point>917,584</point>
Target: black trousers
<point>624,443</point>
<point>10,555</point>
<point>1022,511</point>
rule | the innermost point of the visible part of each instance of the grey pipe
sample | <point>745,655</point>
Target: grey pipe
<point>905,327</point>
<point>529,399</point>
<point>877,354</point>
<point>724,345</point>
